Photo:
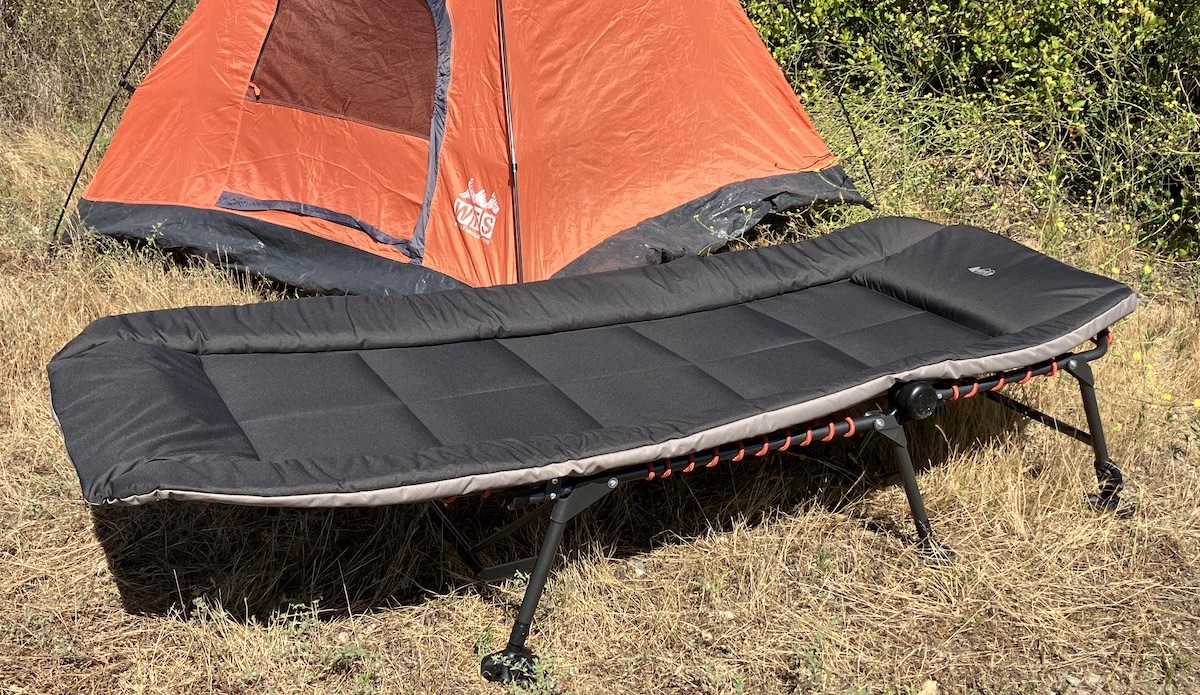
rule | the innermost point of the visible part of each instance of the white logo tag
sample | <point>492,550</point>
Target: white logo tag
<point>476,213</point>
<point>985,272</point>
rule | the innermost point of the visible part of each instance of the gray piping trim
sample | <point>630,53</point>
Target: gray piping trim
<point>723,434</point>
<point>54,414</point>
<point>244,203</point>
<point>437,127</point>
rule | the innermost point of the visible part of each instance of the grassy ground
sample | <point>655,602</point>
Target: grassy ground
<point>796,575</point>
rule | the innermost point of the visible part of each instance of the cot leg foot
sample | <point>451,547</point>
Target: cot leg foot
<point>515,662</point>
<point>938,554</point>
<point>1108,477</point>
<point>889,426</point>
<point>1108,500</point>
<point>507,666</point>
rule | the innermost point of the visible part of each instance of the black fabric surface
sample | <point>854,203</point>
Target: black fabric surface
<point>915,276</point>
<point>709,222</point>
<point>250,245</point>
<point>340,394</point>
<point>683,286</point>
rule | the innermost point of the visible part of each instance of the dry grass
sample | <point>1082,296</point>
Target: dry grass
<point>793,576</point>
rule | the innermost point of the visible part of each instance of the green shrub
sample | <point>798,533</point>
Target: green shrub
<point>1109,88</point>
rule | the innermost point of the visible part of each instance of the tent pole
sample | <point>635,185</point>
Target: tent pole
<point>122,85</point>
<point>837,93</point>
<point>512,146</point>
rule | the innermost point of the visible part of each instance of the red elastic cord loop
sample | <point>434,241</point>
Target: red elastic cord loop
<point>449,500</point>
<point>666,469</point>
<point>787,442</point>
<point>650,468</point>
<point>765,447</point>
<point>691,464</point>
<point>829,437</point>
<point>486,494</point>
<point>974,390</point>
<point>999,384</point>
<point>741,454</point>
<point>807,438</point>
<point>954,391</point>
<point>1053,368</point>
<point>1028,375</point>
<point>1112,339</point>
<point>716,457</point>
<point>853,427</point>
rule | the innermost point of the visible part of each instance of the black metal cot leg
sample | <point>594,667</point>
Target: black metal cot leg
<point>448,530</point>
<point>889,426</point>
<point>1109,477</point>
<point>469,553</point>
<point>515,661</point>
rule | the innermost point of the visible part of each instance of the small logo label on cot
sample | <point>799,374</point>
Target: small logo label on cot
<point>476,213</point>
<point>985,272</point>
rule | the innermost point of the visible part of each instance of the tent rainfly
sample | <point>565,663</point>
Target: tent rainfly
<point>373,147</point>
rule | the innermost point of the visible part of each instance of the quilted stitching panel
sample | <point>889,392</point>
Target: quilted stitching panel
<point>592,352</point>
<point>519,413</point>
<point>790,368</point>
<point>909,336</point>
<point>636,398</point>
<point>454,369</point>
<point>369,430</point>
<point>263,385</point>
<point>719,333</point>
<point>833,309</point>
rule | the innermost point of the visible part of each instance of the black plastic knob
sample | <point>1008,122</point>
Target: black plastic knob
<point>916,400</point>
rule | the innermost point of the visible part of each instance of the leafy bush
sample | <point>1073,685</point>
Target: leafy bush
<point>1109,89</point>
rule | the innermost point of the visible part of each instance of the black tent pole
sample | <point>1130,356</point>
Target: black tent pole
<point>122,84</point>
<point>837,93</point>
<point>512,145</point>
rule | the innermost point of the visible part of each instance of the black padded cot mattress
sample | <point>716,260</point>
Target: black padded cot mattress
<point>349,401</point>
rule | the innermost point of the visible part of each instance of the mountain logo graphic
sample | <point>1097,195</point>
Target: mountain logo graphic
<point>476,213</point>
<point>985,272</point>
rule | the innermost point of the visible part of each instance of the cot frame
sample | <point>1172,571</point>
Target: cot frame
<point>562,499</point>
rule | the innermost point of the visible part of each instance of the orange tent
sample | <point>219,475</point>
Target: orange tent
<point>416,145</point>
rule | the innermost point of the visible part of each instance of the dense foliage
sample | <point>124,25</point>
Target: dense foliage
<point>1108,90</point>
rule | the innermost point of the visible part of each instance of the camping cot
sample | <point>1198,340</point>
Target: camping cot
<point>372,148</point>
<point>558,392</point>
